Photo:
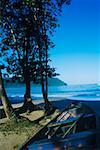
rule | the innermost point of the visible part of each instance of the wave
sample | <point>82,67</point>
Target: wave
<point>86,92</point>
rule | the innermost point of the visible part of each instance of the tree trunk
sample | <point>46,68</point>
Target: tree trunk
<point>5,101</point>
<point>44,85</point>
<point>43,90</point>
<point>27,95</point>
<point>46,72</point>
<point>28,104</point>
<point>49,108</point>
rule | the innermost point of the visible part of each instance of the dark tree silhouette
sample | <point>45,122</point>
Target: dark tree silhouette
<point>28,26</point>
<point>9,111</point>
<point>46,22</point>
<point>17,21</point>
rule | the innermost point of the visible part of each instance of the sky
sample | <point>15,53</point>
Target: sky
<point>76,55</point>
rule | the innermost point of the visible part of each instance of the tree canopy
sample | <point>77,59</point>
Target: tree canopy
<point>26,30</point>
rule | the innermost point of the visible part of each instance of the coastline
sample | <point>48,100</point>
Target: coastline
<point>17,105</point>
<point>36,102</point>
<point>14,139</point>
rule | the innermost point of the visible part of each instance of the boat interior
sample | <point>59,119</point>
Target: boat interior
<point>75,119</point>
<point>75,124</point>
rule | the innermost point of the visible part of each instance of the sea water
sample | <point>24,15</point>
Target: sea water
<point>16,92</point>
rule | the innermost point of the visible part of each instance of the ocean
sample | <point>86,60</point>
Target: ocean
<point>16,92</point>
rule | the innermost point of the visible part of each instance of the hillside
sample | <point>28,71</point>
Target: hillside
<point>55,82</point>
<point>51,82</point>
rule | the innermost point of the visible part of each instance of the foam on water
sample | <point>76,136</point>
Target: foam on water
<point>84,92</point>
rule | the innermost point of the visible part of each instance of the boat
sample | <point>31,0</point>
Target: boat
<point>74,128</point>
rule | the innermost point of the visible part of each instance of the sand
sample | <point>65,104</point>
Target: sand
<point>13,140</point>
<point>20,104</point>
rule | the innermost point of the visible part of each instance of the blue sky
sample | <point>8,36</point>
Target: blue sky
<point>77,52</point>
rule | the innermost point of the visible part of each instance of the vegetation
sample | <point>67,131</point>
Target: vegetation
<point>26,31</point>
<point>7,106</point>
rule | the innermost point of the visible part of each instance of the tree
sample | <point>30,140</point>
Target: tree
<point>46,22</point>
<point>24,22</point>
<point>9,111</point>
<point>19,33</point>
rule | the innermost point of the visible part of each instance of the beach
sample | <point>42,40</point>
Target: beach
<point>49,75</point>
<point>15,137</point>
<point>60,97</point>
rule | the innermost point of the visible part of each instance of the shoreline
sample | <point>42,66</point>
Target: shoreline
<point>15,139</point>
<point>36,102</point>
<point>16,105</point>
<point>54,99</point>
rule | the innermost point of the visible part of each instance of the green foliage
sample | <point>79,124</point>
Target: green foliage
<point>27,27</point>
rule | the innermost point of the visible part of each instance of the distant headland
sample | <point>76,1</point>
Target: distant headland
<point>51,82</point>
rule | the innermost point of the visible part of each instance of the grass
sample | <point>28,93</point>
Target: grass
<point>10,126</point>
<point>13,135</point>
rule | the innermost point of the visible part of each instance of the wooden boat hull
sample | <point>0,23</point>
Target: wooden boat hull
<point>80,131</point>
